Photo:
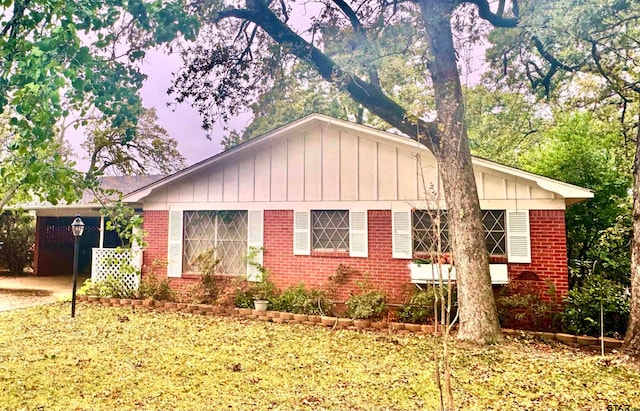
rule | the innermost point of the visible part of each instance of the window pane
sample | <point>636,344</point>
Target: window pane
<point>425,234</point>
<point>224,233</point>
<point>199,236</point>
<point>330,230</point>
<point>494,231</point>
<point>232,241</point>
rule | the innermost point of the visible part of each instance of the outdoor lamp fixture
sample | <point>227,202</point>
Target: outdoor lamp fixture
<point>77,228</point>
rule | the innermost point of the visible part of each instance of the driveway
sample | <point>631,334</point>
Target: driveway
<point>25,291</point>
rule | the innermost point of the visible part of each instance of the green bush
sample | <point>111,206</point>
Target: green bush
<point>520,306</point>
<point>243,298</point>
<point>581,313</point>
<point>109,287</point>
<point>420,307</point>
<point>153,287</point>
<point>17,232</point>
<point>369,304</point>
<point>300,300</point>
<point>208,288</point>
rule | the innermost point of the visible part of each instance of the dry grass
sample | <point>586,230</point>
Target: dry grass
<point>113,358</point>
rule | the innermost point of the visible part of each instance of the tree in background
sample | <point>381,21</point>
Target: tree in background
<point>65,58</point>
<point>30,171</point>
<point>503,124</point>
<point>149,151</point>
<point>17,233</point>
<point>585,151</point>
<point>564,41</point>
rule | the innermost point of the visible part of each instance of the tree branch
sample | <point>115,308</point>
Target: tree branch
<point>360,34</point>
<point>496,19</point>
<point>361,91</point>
<point>351,15</point>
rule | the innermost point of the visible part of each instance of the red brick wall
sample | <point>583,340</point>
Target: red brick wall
<point>548,253</point>
<point>380,268</point>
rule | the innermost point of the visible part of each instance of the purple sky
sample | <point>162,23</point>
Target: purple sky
<point>182,122</point>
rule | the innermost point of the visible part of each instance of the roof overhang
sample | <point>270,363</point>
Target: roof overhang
<point>571,193</point>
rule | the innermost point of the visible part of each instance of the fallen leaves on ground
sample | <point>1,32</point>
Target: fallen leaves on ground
<point>117,358</point>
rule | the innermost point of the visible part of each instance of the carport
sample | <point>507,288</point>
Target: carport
<point>53,252</point>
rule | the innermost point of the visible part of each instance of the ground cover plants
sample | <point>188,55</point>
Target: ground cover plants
<point>117,358</point>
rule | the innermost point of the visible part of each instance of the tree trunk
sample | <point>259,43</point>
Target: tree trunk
<point>478,315</point>
<point>632,338</point>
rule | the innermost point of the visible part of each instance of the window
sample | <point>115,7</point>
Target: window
<point>424,231</point>
<point>425,227</point>
<point>222,232</point>
<point>330,230</point>
<point>495,233</point>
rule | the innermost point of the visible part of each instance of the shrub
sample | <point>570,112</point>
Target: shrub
<point>369,304</point>
<point>109,287</point>
<point>581,313</point>
<point>520,306</point>
<point>208,288</point>
<point>299,300</point>
<point>243,298</point>
<point>153,287</point>
<point>420,307</point>
<point>264,289</point>
<point>17,232</point>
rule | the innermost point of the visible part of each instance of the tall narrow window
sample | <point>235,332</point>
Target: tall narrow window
<point>222,233</point>
<point>330,230</point>
<point>494,231</point>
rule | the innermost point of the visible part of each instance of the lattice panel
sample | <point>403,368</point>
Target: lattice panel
<point>330,230</point>
<point>112,263</point>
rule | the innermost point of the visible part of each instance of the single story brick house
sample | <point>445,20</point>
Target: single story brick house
<point>321,192</point>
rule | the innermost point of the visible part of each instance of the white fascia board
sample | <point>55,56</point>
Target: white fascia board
<point>565,190</point>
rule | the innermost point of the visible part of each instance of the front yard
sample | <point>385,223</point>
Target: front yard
<point>113,358</point>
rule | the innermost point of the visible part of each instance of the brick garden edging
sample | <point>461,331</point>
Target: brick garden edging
<point>332,322</point>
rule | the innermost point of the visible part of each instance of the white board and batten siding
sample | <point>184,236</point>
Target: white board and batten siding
<point>329,167</point>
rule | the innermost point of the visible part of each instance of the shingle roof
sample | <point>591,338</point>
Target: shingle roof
<point>123,184</point>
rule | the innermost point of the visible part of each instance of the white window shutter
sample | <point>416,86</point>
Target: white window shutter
<point>401,234</point>
<point>255,244</point>
<point>358,237</point>
<point>174,257</point>
<point>302,232</point>
<point>518,237</point>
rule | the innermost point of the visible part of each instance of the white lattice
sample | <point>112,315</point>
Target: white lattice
<point>122,265</point>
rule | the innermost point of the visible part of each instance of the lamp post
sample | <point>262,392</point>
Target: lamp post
<point>77,227</point>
